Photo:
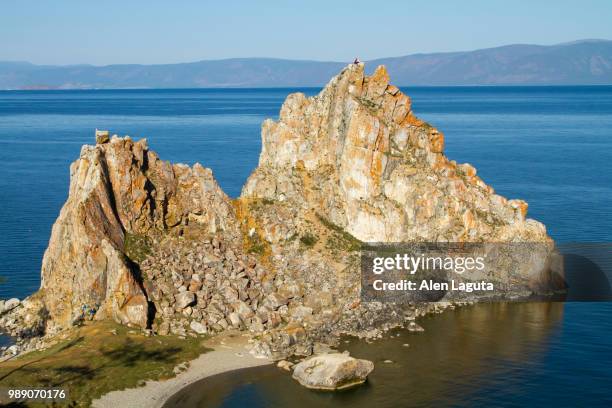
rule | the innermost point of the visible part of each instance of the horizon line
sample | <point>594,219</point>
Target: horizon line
<point>566,43</point>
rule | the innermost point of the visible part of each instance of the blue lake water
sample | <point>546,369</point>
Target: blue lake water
<point>551,146</point>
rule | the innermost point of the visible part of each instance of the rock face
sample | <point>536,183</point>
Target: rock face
<point>358,156</point>
<point>158,245</point>
<point>332,371</point>
<point>121,194</point>
<point>352,165</point>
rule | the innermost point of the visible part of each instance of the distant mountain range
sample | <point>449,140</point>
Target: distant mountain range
<point>585,62</point>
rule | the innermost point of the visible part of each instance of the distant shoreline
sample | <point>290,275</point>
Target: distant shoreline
<point>315,88</point>
<point>582,62</point>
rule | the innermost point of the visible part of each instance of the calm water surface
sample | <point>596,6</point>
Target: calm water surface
<point>551,146</point>
<point>497,355</point>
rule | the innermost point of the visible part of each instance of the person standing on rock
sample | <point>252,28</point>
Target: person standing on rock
<point>356,62</point>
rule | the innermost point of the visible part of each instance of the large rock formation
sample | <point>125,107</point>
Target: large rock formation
<point>121,195</point>
<point>159,245</point>
<point>353,164</point>
<point>357,155</point>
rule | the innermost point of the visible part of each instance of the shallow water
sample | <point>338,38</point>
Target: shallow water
<point>503,355</point>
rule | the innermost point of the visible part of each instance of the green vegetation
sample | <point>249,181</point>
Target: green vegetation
<point>339,239</point>
<point>255,245</point>
<point>258,248</point>
<point>137,247</point>
<point>98,358</point>
<point>309,240</point>
<point>258,203</point>
<point>369,104</point>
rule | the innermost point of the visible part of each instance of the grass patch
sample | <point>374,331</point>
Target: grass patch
<point>258,203</point>
<point>309,240</point>
<point>369,104</point>
<point>93,361</point>
<point>339,239</point>
<point>258,248</point>
<point>255,244</point>
<point>137,247</point>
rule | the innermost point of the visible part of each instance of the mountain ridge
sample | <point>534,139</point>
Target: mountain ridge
<point>582,62</point>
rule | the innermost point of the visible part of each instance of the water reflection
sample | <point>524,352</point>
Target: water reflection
<point>461,354</point>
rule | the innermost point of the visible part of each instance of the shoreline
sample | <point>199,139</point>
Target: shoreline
<point>228,353</point>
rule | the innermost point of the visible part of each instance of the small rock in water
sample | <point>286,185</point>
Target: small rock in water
<point>331,372</point>
<point>388,361</point>
<point>284,365</point>
<point>413,327</point>
<point>406,345</point>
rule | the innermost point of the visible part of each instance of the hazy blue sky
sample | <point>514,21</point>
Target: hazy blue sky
<point>131,31</point>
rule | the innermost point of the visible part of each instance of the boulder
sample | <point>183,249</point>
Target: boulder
<point>10,305</point>
<point>164,329</point>
<point>274,301</point>
<point>13,350</point>
<point>235,320</point>
<point>414,327</point>
<point>185,299</point>
<point>334,371</point>
<point>243,310</point>
<point>198,327</point>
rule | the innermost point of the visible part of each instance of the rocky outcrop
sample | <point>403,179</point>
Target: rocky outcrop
<point>353,164</point>
<point>158,245</point>
<point>121,197</point>
<point>333,371</point>
<point>358,156</point>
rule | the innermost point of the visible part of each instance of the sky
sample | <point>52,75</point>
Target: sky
<point>147,32</point>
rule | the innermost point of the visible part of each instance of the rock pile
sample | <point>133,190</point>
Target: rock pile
<point>209,286</point>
